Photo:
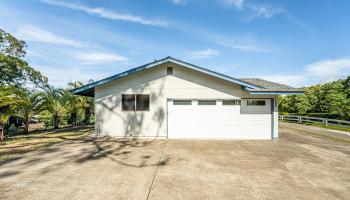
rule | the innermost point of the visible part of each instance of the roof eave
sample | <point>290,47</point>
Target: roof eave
<point>277,92</point>
<point>88,92</point>
<point>274,92</point>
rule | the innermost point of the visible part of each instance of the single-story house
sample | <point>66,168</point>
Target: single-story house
<point>170,98</point>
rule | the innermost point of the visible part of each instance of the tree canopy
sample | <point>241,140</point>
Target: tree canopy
<point>15,73</point>
<point>14,70</point>
<point>330,99</point>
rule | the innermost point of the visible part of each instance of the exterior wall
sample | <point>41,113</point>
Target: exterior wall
<point>183,84</point>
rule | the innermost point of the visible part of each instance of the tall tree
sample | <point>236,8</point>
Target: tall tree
<point>14,73</point>
<point>14,70</point>
<point>87,104</point>
<point>84,103</point>
<point>72,105</point>
<point>346,85</point>
<point>54,101</point>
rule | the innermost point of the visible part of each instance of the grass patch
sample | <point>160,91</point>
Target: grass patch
<point>330,126</point>
<point>20,144</point>
<point>334,127</point>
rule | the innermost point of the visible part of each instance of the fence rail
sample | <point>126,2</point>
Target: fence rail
<point>325,121</point>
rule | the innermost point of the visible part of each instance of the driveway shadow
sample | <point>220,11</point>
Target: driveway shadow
<point>125,152</point>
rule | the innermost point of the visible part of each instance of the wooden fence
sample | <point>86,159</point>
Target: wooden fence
<point>325,121</point>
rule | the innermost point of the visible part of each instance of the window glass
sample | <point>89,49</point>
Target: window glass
<point>256,102</point>
<point>231,102</point>
<point>182,102</point>
<point>206,102</point>
<point>128,102</point>
<point>142,102</point>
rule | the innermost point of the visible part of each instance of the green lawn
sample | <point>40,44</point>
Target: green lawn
<point>20,144</point>
<point>333,127</point>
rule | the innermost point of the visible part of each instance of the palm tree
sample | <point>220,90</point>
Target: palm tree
<point>86,103</point>
<point>54,102</point>
<point>83,103</point>
<point>71,106</point>
<point>31,104</point>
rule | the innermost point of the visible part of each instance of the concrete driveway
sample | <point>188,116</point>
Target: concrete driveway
<point>297,166</point>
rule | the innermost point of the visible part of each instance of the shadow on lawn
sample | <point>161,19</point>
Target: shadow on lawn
<point>126,152</point>
<point>36,141</point>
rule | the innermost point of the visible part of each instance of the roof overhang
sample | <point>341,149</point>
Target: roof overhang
<point>88,89</point>
<point>278,93</point>
<point>291,91</point>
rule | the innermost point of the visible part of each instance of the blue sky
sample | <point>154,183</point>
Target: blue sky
<point>296,42</point>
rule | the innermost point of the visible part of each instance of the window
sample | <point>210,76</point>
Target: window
<point>142,102</point>
<point>256,102</point>
<point>206,102</point>
<point>169,70</point>
<point>132,102</point>
<point>182,102</point>
<point>231,102</point>
<point>128,102</point>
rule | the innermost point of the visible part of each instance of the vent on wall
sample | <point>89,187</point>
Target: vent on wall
<point>169,70</point>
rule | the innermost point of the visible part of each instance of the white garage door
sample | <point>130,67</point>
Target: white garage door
<point>220,119</point>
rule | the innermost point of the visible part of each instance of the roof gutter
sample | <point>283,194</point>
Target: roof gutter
<point>279,92</point>
<point>283,92</point>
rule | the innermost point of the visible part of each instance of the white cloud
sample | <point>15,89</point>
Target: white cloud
<point>226,70</point>
<point>36,34</point>
<point>263,11</point>
<point>113,15</point>
<point>243,43</point>
<point>92,58</point>
<point>254,10</point>
<point>207,53</point>
<point>245,46</point>
<point>330,69</point>
<point>178,2</point>
<point>58,76</point>
<point>237,3</point>
<point>318,72</point>
<point>246,42</point>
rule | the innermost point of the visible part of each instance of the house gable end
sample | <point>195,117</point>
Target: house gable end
<point>182,80</point>
<point>88,89</point>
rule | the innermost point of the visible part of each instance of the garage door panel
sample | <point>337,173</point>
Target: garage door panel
<point>219,121</point>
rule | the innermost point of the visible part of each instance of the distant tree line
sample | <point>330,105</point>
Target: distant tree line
<point>25,92</point>
<point>328,100</point>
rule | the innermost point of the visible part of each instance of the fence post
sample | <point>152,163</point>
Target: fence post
<point>299,119</point>
<point>282,118</point>
<point>325,122</point>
